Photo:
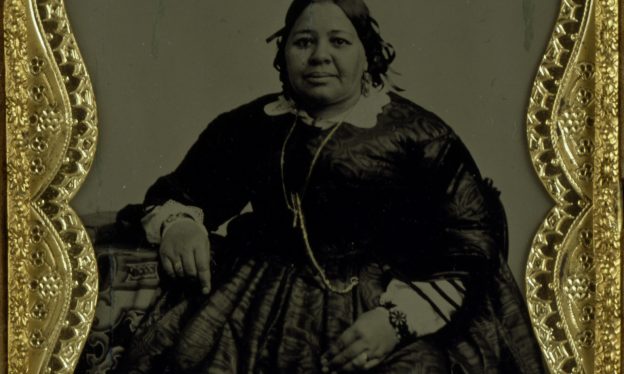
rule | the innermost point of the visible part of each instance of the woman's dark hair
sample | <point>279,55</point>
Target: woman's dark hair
<point>379,53</point>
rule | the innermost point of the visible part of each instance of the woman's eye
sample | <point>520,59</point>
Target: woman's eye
<point>303,42</point>
<point>340,42</point>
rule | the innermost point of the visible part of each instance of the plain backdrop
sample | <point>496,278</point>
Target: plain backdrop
<point>162,69</point>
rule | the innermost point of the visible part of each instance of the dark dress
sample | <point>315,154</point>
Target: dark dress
<point>401,200</point>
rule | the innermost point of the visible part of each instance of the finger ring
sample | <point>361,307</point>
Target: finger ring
<point>363,358</point>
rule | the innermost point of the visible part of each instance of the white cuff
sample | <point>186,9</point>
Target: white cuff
<point>428,306</point>
<point>160,218</point>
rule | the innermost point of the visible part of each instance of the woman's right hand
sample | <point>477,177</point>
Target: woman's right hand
<point>185,251</point>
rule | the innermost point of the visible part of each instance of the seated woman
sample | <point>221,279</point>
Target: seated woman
<point>374,243</point>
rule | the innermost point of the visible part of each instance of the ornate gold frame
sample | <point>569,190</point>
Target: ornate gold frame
<point>573,273</point>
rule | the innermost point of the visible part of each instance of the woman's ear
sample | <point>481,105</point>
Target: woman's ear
<point>367,82</point>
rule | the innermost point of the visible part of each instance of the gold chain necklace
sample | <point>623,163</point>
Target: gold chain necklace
<point>293,202</point>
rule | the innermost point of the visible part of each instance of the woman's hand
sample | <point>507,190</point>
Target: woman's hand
<point>363,345</point>
<point>185,251</point>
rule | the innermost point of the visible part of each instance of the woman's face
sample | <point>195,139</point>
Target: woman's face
<point>325,58</point>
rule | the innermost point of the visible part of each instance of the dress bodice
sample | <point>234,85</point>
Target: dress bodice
<point>401,189</point>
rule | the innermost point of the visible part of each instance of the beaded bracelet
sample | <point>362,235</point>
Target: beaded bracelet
<point>398,321</point>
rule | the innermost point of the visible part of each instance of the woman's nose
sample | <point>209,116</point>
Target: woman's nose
<point>320,54</point>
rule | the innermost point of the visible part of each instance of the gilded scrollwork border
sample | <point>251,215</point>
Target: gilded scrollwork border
<point>559,275</point>
<point>51,136</point>
<point>573,272</point>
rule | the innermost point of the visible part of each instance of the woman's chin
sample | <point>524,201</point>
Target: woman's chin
<point>321,99</point>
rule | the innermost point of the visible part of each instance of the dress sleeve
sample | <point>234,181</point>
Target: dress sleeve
<point>451,230</point>
<point>447,215</point>
<point>425,306</point>
<point>214,174</point>
<point>465,219</point>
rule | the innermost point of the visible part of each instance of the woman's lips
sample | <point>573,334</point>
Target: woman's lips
<point>318,77</point>
<point>319,74</point>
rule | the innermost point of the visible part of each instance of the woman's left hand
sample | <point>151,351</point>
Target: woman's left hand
<point>363,345</point>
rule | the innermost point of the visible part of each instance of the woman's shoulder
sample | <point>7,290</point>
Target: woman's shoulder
<point>405,115</point>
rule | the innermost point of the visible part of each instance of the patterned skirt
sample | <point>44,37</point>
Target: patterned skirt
<point>266,317</point>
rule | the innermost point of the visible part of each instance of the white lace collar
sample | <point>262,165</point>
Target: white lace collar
<point>363,114</point>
